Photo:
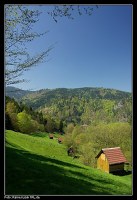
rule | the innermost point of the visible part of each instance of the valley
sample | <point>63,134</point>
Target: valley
<point>86,119</point>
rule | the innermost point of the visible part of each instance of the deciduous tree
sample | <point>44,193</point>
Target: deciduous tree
<point>19,21</point>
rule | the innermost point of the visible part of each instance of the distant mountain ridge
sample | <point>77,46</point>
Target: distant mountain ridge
<point>16,93</point>
<point>78,105</point>
<point>45,96</point>
<point>95,92</point>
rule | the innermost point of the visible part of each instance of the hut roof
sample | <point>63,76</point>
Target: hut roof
<point>114,155</point>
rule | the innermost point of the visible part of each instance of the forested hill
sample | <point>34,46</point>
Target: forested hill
<point>46,96</point>
<point>80,105</point>
<point>16,93</point>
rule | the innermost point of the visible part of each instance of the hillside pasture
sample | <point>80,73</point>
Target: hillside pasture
<point>36,165</point>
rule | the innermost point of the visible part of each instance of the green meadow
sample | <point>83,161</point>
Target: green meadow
<point>37,165</point>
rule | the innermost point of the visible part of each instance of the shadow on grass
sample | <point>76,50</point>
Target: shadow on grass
<point>40,158</point>
<point>28,174</point>
<point>121,173</point>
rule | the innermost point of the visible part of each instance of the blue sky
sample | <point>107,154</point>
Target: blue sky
<point>89,51</point>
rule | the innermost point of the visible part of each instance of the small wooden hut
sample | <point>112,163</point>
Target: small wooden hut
<point>60,140</point>
<point>51,136</point>
<point>111,159</point>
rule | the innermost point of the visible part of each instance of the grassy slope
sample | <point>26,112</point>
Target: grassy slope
<point>38,165</point>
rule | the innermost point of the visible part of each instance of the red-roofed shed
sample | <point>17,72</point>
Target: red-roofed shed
<point>111,159</point>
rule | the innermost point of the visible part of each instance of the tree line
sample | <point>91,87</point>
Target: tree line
<point>87,141</point>
<point>86,138</point>
<point>56,111</point>
<point>82,105</point>
<point>19,117</point>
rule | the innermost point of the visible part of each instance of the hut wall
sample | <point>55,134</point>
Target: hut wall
<point>102,163</point>
<point>116,167</point>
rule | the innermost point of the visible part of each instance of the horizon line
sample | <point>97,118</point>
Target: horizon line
<point>93,87</point>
